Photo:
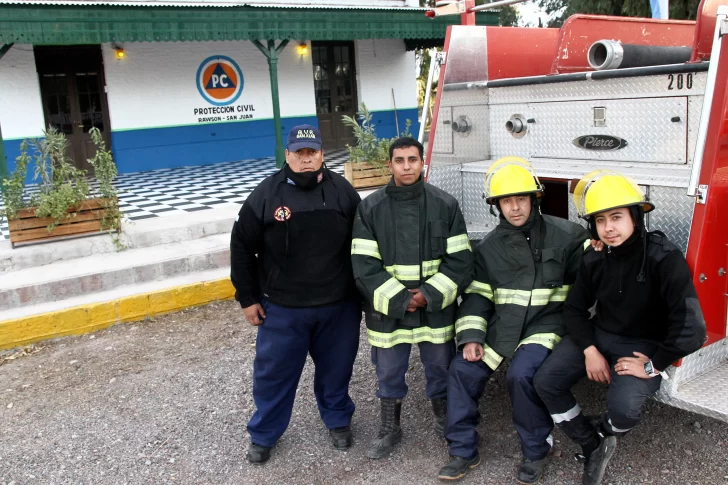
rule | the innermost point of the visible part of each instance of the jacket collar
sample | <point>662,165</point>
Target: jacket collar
<point>405,192</point>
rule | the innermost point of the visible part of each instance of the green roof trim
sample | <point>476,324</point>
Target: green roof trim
<point>69,25</point>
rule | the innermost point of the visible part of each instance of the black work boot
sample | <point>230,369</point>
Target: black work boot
<point>341,437</point>
<point>458,467</point>
<point>597,461</point>
<point>530,471</point>
<point>258,454</point>
<point>439,410</point>
<point>390,432</point>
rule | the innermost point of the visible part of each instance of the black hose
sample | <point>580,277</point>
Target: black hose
<point>610,54</point>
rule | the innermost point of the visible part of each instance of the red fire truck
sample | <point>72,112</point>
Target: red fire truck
<point>645,97</point>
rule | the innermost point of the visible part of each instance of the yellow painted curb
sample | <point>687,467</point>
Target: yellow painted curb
<point>95,316</point>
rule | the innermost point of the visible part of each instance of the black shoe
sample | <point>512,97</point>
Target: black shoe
<point>530,471</point>
<point>439,411</point>
<point>341,437</point>
<point>258,454</point>
<point>596,464</point>
<point>390,432</point>
<point>458,467</point>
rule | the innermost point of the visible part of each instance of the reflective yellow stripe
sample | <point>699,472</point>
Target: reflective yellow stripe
<point>482,289</point>
<point>446,286</point>
<point>458,243</point>
<point>411,336</point>
<point>404,272</point>
<point>504,296</point>
<point>548,340</point>
<point>365,247</point>
<point>491,357</point>
<point>429,268</point>
<point>587,243</point>
<point>470,322</point>
<point>543,296</point>
<point>384,293</point>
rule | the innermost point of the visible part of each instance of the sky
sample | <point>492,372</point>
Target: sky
<point>530,13</point>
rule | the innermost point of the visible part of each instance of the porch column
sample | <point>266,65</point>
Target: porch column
<point>271,53</point>
<point>3,162</point>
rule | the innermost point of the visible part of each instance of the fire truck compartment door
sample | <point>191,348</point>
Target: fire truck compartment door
<point>649,130</point>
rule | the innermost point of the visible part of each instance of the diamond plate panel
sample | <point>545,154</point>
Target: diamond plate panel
<point>701,361</point>
<point>502,143</point>
<point>635,87</point>
<point>443,134</point>
<point>645,124</point>
<point>468,147</point>
<point>475,144</point>
<point>477,210</point>
<point>574,213</point>
<point>449,179</point>
<point>700,384</point>
<point>644,173</point>
<point>695,109</point>
<point>672,215</point>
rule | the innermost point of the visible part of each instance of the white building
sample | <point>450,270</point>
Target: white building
<point>181,82</point>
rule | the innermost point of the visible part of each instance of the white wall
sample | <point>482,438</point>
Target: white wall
<point>21,109</point>
<point>383,65</point>
<point>154,85</point>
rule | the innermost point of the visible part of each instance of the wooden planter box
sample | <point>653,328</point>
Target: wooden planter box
<point>365,175</point>
<point>27,228</point>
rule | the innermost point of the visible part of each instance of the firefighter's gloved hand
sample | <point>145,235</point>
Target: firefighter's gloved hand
<point>597,367</point>
<point>254,314</point>
<point>473,352</point>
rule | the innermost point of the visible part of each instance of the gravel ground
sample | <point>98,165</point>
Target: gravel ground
<point>166,401</point>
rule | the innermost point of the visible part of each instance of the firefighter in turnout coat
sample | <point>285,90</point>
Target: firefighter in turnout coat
<point>411,258</point>
<point>523,271</point>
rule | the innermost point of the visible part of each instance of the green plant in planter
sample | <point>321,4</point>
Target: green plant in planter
<point>61,186</point>
<point>369,147</point>
<point>105,171</point>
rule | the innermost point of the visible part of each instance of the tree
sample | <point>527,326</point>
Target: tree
<point>560,10</point>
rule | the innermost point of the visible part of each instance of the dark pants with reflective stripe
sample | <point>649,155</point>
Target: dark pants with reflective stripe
<point>331,336</point>
<point>465,386</point>
<point>626,395</point>
<point>392,365</point>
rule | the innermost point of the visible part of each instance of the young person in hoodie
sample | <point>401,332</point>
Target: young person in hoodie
<point>633,311</point>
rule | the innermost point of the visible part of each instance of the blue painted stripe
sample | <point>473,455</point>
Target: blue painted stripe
<point>385,126</point>
<point>204,144</point>
<point>12,151</point>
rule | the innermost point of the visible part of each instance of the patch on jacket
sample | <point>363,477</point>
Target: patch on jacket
<point>282,214</point>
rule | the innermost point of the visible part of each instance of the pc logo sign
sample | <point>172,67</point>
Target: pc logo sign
<point>219,80</point>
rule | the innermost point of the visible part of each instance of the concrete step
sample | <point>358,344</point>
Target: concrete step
<point>144,233</point>
<point>108,271</point>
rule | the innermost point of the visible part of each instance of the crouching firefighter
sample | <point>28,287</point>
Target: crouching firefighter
<point>646,316</point>
<point>411,258</point>
<point>523,271</point>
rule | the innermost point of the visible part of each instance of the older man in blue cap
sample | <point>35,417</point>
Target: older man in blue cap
<point>291,269</point>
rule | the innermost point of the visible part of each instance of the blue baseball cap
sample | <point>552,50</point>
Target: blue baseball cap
<point>304,136</point>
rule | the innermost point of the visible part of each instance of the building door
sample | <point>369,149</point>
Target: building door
<point>334,78</point>
<point>74,101</point>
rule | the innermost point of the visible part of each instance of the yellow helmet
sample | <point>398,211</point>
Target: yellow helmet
<point>603,190</point>
<point>510,176</point>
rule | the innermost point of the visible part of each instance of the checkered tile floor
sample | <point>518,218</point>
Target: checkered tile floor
<point>159,193</point>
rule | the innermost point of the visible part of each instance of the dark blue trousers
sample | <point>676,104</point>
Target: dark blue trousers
<point>626,395</point>
<point>392,365</point>
<point>465,385</point>
<point>331,336</point>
